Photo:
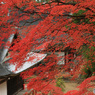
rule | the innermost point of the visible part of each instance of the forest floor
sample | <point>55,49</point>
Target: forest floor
<point>70,86</point>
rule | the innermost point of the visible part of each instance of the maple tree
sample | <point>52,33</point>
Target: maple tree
<point>65,25</point>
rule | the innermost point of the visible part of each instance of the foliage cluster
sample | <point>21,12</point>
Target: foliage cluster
<point>49,27</point>
<point>89,67</point>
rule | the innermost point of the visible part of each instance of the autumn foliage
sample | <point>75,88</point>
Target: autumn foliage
<point>62,26</point>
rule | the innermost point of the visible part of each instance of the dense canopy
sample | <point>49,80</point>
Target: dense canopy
<point>51,26</point>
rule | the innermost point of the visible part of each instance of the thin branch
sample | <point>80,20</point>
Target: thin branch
<point>67,3</point>
<point>52,14</point>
